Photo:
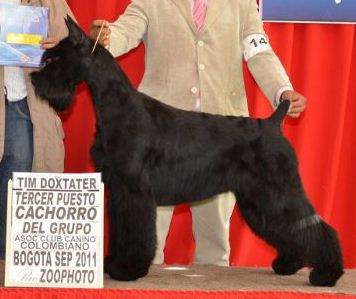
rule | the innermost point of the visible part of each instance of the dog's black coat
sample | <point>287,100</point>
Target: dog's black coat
<point>153,154</point>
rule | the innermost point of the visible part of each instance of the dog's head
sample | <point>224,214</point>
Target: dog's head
<point>63,67</point>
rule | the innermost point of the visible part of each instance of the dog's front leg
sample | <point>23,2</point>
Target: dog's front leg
<point>133,234</point>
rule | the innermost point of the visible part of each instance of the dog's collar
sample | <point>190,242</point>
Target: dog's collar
<point>308,221</point>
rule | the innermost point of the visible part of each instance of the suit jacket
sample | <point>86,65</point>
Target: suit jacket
<point>182,64</point>
<point>47,127</point>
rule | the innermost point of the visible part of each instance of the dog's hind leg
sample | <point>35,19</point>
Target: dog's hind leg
<point>134,235</point>
<point>318,245</point>
<point>289,259</point>
<point>323,253</point>
<point>306,242</point>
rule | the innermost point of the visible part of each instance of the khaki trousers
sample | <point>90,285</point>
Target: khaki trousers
<point>211,226</point>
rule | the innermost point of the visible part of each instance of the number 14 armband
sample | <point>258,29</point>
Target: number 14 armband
<point>254,44</point>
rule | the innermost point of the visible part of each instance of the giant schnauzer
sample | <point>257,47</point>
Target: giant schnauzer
<point>152,154</point>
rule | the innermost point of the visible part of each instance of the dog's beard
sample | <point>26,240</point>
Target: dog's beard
<point>59,102</point>
<point>58,95</point>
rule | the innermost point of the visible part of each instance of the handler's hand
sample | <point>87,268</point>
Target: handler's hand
<point>104,38</point>
<point>49,42</point>
<point>298,102</point>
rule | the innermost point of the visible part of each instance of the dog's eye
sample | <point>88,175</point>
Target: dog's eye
<point>48,60</point>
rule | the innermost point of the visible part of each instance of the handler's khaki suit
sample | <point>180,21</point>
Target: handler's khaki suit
<point>182,65</point>
<point>47,127</point>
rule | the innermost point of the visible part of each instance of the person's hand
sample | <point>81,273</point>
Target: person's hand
<point>298,102</point>
<point>49,42</point>
<point>95,27</point>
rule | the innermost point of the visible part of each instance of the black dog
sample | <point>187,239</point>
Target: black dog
<point>153,154</point>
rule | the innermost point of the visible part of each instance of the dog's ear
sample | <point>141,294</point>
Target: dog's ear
<point>76,35</point>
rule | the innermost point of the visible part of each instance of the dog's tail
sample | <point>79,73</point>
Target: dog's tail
<point>280,112</point>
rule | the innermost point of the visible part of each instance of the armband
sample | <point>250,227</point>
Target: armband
<point>254,44</point>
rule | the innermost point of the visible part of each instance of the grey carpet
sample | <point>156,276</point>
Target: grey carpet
<point>207,278</point>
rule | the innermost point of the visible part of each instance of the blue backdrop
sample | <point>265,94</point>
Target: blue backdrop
<point>309,10</point>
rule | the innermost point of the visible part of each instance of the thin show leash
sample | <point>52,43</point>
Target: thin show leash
<point>98,37</point>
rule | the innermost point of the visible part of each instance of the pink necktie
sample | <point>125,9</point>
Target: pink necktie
<point>199,11</point>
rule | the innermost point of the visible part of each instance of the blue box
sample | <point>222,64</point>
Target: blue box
<point>21,29</point>
<point>311,11</point>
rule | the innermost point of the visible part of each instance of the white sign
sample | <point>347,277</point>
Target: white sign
<point>55,230</point>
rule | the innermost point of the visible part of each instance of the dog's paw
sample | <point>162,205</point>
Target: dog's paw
<point>122,273</point>
<point>286,267</point>
<point>323,278</point>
